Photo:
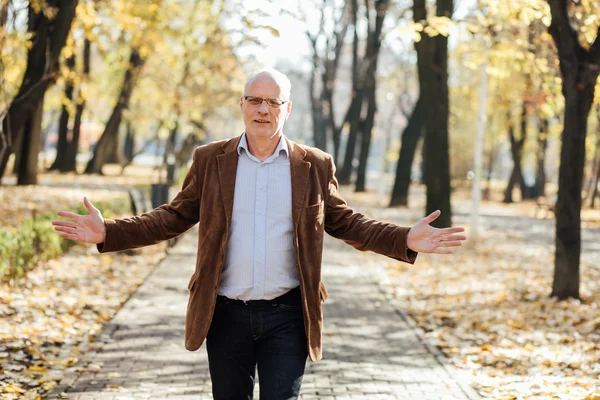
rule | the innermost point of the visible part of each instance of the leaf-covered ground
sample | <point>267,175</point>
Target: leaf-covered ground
<point>488,309</point>
<point>66,191</point>
<point>57,311</point>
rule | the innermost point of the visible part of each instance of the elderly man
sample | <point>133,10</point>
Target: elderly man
<point>263,204</point>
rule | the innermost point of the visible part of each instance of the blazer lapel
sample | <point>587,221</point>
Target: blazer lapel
<point>227,163</point>
<point>299,170</point>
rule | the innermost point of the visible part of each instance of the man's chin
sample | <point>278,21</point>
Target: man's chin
<point>262,133</point>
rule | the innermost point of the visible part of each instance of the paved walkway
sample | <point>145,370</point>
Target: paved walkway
<point>370,350</point>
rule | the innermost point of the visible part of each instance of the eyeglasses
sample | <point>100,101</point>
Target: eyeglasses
<point>257,101</point>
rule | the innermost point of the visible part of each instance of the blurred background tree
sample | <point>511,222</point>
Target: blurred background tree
<point>390,88</point>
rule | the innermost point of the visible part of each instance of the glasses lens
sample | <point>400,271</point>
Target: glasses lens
<point>274,102</point>
<point>255,101</point>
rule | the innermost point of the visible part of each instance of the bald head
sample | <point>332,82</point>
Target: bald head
<point>282,81</point>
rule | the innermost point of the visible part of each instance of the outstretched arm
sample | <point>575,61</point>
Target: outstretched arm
<point>424,238</point>
<point>82,228</point>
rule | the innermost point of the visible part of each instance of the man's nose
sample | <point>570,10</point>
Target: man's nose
<point>263,107</point>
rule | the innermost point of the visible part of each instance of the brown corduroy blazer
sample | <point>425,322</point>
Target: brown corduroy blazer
<point>207,197</point>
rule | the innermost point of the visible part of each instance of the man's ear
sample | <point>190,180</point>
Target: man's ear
<point>289,109</point>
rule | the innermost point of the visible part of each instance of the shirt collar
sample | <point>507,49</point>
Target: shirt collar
<point>281,146</point>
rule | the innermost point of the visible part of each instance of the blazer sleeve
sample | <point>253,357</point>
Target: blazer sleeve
<point>360,232</point>
<point>162,223</point>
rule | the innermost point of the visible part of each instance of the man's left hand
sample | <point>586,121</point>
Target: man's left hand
<point>424,238</point>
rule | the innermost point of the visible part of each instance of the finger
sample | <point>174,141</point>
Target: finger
<point>88,204</point>
<point>450,244</point>
<point>69,236</point>
<point>453,237</point>
<point>433,216</point>
<point>443,251</point>
<point>65,229</point>
<point>454,229</point>
<point>72,216</point>
<point>63,223</point>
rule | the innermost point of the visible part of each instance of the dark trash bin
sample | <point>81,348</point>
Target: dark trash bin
<point>160,194</point>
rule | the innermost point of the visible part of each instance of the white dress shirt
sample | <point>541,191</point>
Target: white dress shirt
<point>260,261</point>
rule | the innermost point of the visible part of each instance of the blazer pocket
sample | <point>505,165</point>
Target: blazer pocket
<point>315,209</point>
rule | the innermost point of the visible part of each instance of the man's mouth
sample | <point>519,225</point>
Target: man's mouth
<point>261,121</point>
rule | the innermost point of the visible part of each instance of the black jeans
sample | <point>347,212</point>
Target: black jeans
<point>265,334</point>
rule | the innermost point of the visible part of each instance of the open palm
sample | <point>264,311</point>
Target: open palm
<point>82,228</point>
<point>424,238</point>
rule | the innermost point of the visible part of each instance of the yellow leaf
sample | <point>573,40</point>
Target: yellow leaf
<point>487,347</point>
<point>37,368</point>
<point>514,324</point>
<point>13,389</point>
<point>49,385</point>
<point>72,361</point>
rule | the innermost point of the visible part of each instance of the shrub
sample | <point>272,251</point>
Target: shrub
<point>35,241</point>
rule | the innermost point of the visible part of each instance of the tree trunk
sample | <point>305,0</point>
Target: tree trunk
<point>596,176</point>
<point>365,141</point>
<point>423,179</point>
<point>187,148</point>
<point>433,83</point>
<point>488,187</point>
<point>372,56</point>
<point>5,142</point>
<point>568,206</point>
<point>319,122</point>
<point>169,159</point>
<point>596,165</point>
<point>156,140</point>
<point>62,147</point>
<point>110,137</point>
<point>540,176</point>
<point>329,77</point>
<point>338,134</point>
<point>525,192</point>
<point>410,138</point>
<point>3,19</point>
<point>579,68</point>
<point>487,192</point>
<point>31,146</point>
<point>516,147</point>
<point>71,157</point>
<point>345,172</point>
<point>129,147</point>
<point>42,66</point>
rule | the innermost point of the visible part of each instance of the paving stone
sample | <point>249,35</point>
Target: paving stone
<point>370,351</point>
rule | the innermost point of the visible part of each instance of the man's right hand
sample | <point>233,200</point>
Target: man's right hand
<point>83,228</point>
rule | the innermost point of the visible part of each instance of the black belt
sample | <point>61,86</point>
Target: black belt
<point>291,298</point>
